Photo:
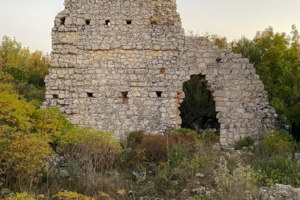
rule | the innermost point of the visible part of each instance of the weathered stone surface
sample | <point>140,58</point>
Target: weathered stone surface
<point>281,192</point>
<point>120,65</point>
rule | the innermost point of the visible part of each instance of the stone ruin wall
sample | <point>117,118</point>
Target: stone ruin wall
<point>120,65</point>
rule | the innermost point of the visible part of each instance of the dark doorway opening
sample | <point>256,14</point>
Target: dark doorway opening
<point>198,110</point>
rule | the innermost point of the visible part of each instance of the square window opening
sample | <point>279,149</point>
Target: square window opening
<point>90,94</point>
<point>63,21</point>
<point>162,71</point>
<point>55,96</point>
<point>107,22</point>
<point>125,98</point>
<point>88,22</point>
<point>128,22</point>
<point>158,94</point>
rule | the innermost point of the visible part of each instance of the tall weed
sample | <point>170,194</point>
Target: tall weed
<point>240,185</point>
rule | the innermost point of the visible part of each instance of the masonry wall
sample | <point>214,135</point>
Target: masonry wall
<point>120,65</point>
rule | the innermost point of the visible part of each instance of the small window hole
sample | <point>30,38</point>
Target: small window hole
<point>63,21</point>
<point>125,98</point>
<point>90,94</point>
<point>128,22</point>
<point>158,94</point>
<point>107,22</point>
<point>55,96</point>
<point>88,22</point>
<point>162,71</point>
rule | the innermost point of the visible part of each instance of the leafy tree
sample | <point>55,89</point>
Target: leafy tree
<point>248,49</point>
<point>28,70</point>
<point>218,40</point>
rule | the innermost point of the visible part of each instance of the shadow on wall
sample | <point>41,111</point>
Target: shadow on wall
<point>198,110</point>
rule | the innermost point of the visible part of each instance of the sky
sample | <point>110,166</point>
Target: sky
<point>30,22</point>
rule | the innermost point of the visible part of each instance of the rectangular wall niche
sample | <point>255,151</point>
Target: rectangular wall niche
<point>89,94</point>
<point>128,22</point>
<point>125,98</point>
<point>63,21</point>
<point>158,94</point>
<point>55,96</point>
<point>88,22</point>
<point>107,22</point>
<point>162,71</point>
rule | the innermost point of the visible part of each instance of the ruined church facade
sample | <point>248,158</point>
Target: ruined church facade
<point>120,65</point>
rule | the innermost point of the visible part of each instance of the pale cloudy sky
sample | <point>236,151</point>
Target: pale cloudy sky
<point>31,21</point>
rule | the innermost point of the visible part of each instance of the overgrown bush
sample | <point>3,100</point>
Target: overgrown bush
<point>15,112</point>
<point>240,185</point>
<point>25,159</point>
<point>209,137</point>
<point>177,154</point>
<point>90,157</point>
<point>185,138</point>
<point>92,150</point>
<point>155,148</point>
<point>67,195</point>
<point>197,197</point>
<point>278,169</point>
<point>51,124</point>
<point>134,139</point>
<point>21,196</point>
<point>245,142</point>
<point>278,142</point>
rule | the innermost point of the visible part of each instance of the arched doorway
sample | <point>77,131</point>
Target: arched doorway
<point>198,110</point>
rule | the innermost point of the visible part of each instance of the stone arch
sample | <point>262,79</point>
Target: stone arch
<point>182,95</point>
<point>241,102</point>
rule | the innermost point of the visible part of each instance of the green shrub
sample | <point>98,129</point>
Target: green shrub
<point>245,142</point>
<point>278,170</point>
<point>20,196</point>
<point>66,195</point>
<point>134,139</point>
<point>50,123</point>
<point>177,154</point>
<point>25,159</point>
<point>209,137</point>
<point>90,148</point>
<point>278,143</point>
<point>197,197</point>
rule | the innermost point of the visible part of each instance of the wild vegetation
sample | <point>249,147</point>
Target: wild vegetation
<point>42,155</point>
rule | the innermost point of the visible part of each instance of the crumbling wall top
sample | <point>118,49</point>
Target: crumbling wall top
<point>127,24</point>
